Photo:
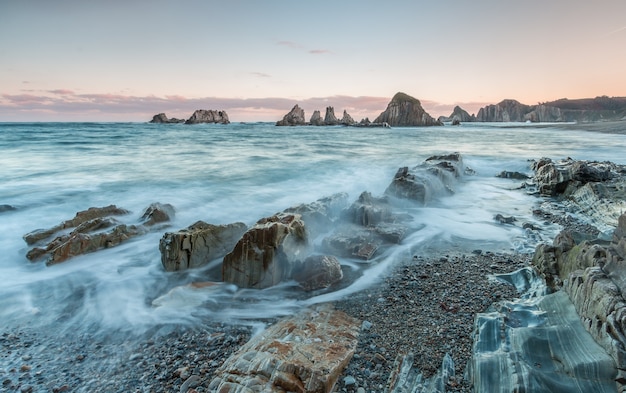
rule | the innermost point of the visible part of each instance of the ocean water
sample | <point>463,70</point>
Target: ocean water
<point>242,172</point>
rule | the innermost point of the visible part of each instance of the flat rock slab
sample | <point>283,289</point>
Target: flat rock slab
<point>303,353</point>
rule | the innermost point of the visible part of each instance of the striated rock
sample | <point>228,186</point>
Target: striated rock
<point>406,378</point>
<point>458,115</point>
<point>553,178</point>
<point>267,252</point>
<point>504,111</point>
<point>157,213</point>
<point>346,119</point>
<point>368,210</point>
<point>316,119</point>
<point>304,353</point>
<point>81,217</point>
<point>208,116</point>
<point>406,111</point>
<point>320,216</point>
<point>329,118</point>
<point>544,113</point>
<point>433,177</point>
<point>295,117</point>
<point>317,272</point>
<point>162,118</point>
<point>198,244</point>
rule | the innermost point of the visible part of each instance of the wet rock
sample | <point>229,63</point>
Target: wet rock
<point>198,244</point>
<point>513,175</point>
<point>319,216</point>
<point>6,208</point>
<point>303,353</point>
<point>295,117</point>
<point>81,217</point>
<point>436,176</point>
<point>405,377</point>
<point>554,178</point>
<point>351,242</point>
<point>208,116</point>
<point>368,210</point>
<point>504,220</point>
<point>317,272</point>
<point>157,213</point>
<point>267,252</point>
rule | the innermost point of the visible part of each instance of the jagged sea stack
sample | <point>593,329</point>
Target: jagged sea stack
<point>406,111</point>
<point>295,117</point>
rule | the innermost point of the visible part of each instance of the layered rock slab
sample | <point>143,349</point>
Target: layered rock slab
<point>304,353</point>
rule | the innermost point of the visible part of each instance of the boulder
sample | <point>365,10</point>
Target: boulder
<point>267,253</point>
<point>208,116</point>
<point>316,119</point>
<point>318,272</point>
<point>346,119</point>
<point>295,117</point>
<point>435,176</point>
<point>162,118</point>
<point>320,216</point>
<point>406,111</point>
<point>7,208</point>
<point>303,353</point>
<point>157,213</point>
<point>198,244</point>
<point>329,118</point>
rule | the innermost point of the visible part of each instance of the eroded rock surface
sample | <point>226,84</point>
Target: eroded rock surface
<point>303,353</point>
<point>208,116</point>
<point>198,244</point>
<point>406,111</point>
<point>329,118</point>
<point>316,119</point>
<point>295,117</point>
<point>317,272</point>
<point>267,253</point>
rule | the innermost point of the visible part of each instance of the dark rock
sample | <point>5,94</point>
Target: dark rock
<point>208,116</point>
<point>157,213</point>
<point>6,208</point>
<point>198,244</point>
<point>320,216</point>
<point>295,117</point>
<point>317,272</point>
<point>406,111</point>
<point>162,118</point>
<point>329,118</point>
<point>346,119</point>
<point>316,119</point>
<point>513,175</point>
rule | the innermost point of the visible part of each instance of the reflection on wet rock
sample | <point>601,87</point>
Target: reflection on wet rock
<point>317,272</point>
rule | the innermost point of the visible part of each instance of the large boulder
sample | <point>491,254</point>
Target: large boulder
<point>303,353</point>
<point>295,117</point>
<point>316,119</point>
<point>329,118</point>
<point>208,116</point>
<point>198,244</point>
<point>267,253</point>
<point>318,272</point>
<point>406,111</point>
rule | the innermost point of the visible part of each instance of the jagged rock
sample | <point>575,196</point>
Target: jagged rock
<point>458,116</point>
<point>513,175</point>
<point>365,122</point>
<point>317,272</point>
<point>435,176</point>
<point>319,216</point>
<point>553,178</point>
<point>350,242</point>
<point>346,119</point>
<point>198,244</point>
<point>267,252</point>
<point>162,118</point>
<point>303,353</point>
<point>406,378</point>
<point>329,118</point>
<point>295,117</point>
<point>368,210</point>
<point>406,111</point>
<point>504,111</point>
<point>208,116</point>
<point>81,217</point>
<point>157,213</point>
<point>316,119</point>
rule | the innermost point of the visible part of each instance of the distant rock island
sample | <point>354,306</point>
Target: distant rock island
<point>199,116</point>
<point>584,110</point>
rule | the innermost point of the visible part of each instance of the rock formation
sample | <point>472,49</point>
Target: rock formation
<point>458,115</point>
<point>505,111</point>
<point>316,119</point>
<point>346,119</point>
<point>318,272</point>
<point>267,253</point>
<point>302,353</point>
<point>329,118</point>
<point>162,118</point>
<point>198,244</point>
<point>321,215</point>
<point>208,116</point>
<point>295,117</point>
<point>405,111</point>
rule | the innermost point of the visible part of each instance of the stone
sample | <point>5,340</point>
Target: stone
<point>458,116</point>
<point>198,244</point>
<point>435,176</point>
<point>162,118</point>
<point>404,377</point>
<point>368,210</point>
<point>267,252</point>
<point>346,119</point>
<point>406,111</point>
<point>513,175</point>
<point>321,215</point>
<point>318,272</point>
<point>208,116</point>
<point>295,117</point>
<point>303,353</point>
<point>157,213</point>
<point>329,118</point>
<point>7,208</point>
<point>316,119</point>
<point>505,111</point>
<point>350,242</point>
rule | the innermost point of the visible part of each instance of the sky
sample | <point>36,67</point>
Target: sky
<point>126,60</point>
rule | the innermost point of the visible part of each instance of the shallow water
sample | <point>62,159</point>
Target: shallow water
<point>241,172</point>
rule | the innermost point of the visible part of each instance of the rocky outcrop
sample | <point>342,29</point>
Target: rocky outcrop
<point>198,244</point>
<point>267,253</point>
<point>406,111</point>
<point>346,119</point>
<point>295,117</point>
<point>504,111</point>
<point>329,118</point>
<point>544,114</point>
<point>320,216</point>
<point>318,272</point>
<point>162,118</point>
<point>458,115</point>
<point>208,116</point>
<point>88,235</point>
<point>302,353</point>
<point>435,176</point>
<point>316,119</point>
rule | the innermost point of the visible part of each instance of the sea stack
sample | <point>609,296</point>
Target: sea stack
<point>208,116</point>
<point>295,117</point>
<point>406,111</point>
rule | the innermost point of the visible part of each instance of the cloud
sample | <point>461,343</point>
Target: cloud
<point>290,44</point>
<point>320,51</point>
<point>61,91</point>
<point>261,74</point>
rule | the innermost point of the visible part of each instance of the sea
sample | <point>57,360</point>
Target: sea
<point>243,172</point>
